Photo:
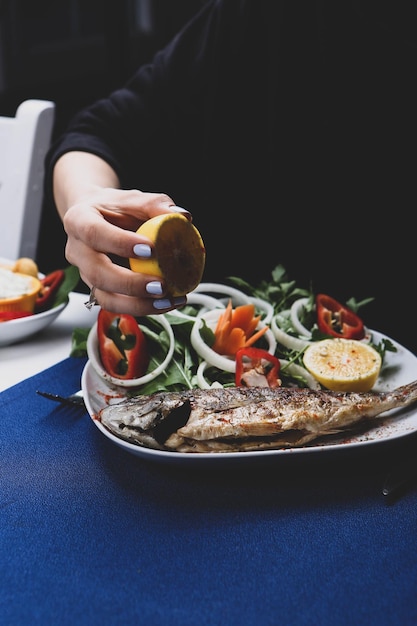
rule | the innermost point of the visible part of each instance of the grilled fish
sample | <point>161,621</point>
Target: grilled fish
<point>245,418</point>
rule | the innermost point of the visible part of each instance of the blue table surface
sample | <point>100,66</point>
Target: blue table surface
<point>91,534</point>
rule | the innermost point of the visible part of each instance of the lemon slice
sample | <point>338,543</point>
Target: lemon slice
<point>343,364</point>
<point>179,253</point>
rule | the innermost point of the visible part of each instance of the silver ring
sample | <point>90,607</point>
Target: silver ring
<point>92,301</point>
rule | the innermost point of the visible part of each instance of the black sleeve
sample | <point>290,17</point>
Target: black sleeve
<point>163,109</point>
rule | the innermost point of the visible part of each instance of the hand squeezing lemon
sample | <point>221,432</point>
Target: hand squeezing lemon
<point>179,254</point>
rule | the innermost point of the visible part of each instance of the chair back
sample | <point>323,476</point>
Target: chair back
<point>24,141</point>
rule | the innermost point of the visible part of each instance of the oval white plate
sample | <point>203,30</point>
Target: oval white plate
<point>400,368</point>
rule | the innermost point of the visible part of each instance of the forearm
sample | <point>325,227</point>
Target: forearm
<point>77,174</point>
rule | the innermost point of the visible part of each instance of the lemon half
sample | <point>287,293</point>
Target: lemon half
<point>179,253</point>
<point>343,364</point>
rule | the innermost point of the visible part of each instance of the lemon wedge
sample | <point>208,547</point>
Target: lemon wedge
<point>179,253</point>
<point>343,364</point>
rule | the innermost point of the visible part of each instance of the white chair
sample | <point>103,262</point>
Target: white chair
<point>24,141</point>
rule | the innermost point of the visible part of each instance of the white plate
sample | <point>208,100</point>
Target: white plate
<point>22,328</point>
<point>400,368</point>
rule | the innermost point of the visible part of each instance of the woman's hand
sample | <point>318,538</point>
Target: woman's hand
<point>101,222</point>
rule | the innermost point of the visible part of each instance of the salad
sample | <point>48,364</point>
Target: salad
<point>222,326</point>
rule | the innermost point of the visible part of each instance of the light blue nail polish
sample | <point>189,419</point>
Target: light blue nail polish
<point>162,304</point>
<point>154,288</point>
<point>142,250</point>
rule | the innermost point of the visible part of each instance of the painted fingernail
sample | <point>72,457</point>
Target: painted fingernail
<point>180,301</point>
<point>142,250</point>
<point>162,304</point>
<point>179,209</point>
<point>154,288</point>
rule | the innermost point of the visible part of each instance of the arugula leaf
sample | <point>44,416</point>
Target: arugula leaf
<point>280,291</point>
<point>79,342</point>
<point>353,304</point>
<point>385,345</point>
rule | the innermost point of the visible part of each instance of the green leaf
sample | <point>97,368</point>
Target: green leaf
<point>353,304</point>
<point>79,342</point>
<point>385,345</point>
<point>71,280</point>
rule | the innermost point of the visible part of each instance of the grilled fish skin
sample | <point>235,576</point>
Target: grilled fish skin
<point>245,418</point>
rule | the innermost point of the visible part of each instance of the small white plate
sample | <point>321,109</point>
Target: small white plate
<point>400,368</point>
<point>24,327</point>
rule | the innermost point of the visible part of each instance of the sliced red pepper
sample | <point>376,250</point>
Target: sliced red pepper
<point>50,285</point>
<point>7,316</point>
<point>122,345</point>
<point>337,320</point>
<point>256,368</point>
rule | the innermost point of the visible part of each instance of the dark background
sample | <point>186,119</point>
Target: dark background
<point>73,52</point>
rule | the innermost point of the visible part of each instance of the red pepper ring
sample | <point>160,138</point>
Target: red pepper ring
<point>49,286</point>
<point>337,320</point>
<point>122,345</point>
<point>256,368</point>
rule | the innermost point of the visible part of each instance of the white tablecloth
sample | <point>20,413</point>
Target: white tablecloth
<point>53,344</point>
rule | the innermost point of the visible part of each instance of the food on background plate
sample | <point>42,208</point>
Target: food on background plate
<point>49,287</point>
<point>179,253</point>
<point>18,292</point>
<point>343,364</point>
<point>246,419</point>
<point>25,265</point>
<point>8,316</point>
<point>51,290</point>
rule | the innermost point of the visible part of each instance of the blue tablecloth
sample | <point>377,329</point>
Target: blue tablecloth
<point>91,534</point>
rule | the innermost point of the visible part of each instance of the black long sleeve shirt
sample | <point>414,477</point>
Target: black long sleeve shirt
<point>288,129</point>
